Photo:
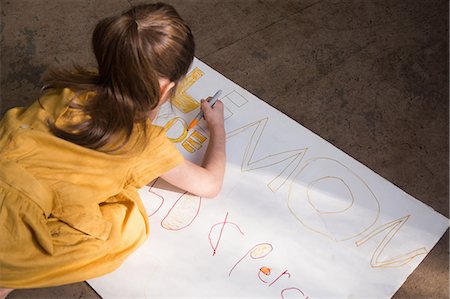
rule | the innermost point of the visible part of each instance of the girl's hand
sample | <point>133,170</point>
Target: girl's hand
<point>213,115</point>
<point>206,179</point>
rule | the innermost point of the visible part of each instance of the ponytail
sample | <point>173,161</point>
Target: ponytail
<point>133,51</point>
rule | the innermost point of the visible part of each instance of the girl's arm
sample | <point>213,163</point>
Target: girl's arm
<point>205,180</point>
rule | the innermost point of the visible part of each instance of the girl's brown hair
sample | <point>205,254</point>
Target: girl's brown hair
<point>133,50</point>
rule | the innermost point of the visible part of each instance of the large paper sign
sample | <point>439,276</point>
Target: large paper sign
<point>297,217</point>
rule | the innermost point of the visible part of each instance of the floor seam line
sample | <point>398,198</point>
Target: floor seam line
<point>259,30</point>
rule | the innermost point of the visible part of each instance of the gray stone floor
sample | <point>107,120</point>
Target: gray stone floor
<point>371,77</point>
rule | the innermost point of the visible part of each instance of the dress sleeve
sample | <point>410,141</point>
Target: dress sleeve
<point>159,156</point>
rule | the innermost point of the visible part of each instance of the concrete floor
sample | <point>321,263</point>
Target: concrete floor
<point>371,77</point>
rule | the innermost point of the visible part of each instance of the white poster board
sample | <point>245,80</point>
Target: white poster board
<point>297,217</point>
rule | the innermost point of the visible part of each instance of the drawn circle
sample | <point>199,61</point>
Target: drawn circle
<point>176,129</point>
<point>338,223</point>
<point>182,213</point>
<point>155,202</point>
<point>338,200</point>
<point>290,290</point>
<point>261,250</point>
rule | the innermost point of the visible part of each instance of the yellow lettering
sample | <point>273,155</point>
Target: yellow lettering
<point>179,136</point>
<point>182,100</point>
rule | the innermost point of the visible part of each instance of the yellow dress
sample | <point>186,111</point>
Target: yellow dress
<point>69,213</point>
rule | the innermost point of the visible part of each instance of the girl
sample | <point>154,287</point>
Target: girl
<point>71,163</point>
